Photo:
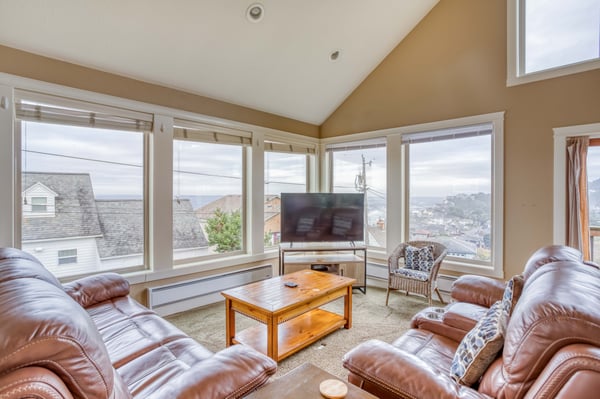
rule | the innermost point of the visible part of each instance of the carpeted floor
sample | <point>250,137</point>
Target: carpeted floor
<point>370,319</point>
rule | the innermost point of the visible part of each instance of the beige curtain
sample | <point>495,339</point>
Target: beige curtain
<point>578,229</point>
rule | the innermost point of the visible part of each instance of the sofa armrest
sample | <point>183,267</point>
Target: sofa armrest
<point>35,382</point>
<point>385,365</point>
<point>90,290</point>
<point>231,373</point>
<point>479,290</point>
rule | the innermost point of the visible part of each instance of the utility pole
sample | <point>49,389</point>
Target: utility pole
<point>360,183</point>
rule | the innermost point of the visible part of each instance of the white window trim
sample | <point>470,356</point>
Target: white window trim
<point>515,60</point>
<point>395,185</point>
<point>160,245</point>
<point>561,134</point>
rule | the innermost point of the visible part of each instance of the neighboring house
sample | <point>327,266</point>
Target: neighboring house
<point>70,231</point>
<point>63,235</point>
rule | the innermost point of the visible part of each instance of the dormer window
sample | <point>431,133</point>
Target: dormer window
<point>39,201</point>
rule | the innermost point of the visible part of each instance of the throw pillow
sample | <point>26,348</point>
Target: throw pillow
<point>480,346</point>
<point>513,290</point>
<point>419,258</point>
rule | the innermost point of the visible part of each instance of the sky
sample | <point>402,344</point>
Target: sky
<point>556,37</point>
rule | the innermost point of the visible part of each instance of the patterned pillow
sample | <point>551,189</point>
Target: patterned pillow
<point>480,346</point>
<point>513,290</point>
<point>418,258</point>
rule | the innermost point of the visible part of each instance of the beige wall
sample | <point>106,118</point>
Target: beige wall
<point>454,65</point>
<point>33,66</point>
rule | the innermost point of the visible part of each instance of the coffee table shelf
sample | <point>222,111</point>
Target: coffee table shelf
<point>295,334</point>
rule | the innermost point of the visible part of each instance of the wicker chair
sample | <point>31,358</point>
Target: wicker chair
<point>416,282</point>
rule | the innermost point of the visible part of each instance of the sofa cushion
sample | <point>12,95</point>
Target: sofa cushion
<point>480,346</point>
<point>419,258</point>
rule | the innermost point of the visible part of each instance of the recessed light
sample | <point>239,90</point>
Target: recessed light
<point>255,12</point>
<point>334,55</point>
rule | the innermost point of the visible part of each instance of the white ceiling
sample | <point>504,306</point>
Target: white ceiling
<point>279,65</point>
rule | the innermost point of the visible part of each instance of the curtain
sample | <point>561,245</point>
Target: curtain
<point>578,229</point>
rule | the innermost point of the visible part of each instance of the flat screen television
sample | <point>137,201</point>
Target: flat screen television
<point>322,217</point>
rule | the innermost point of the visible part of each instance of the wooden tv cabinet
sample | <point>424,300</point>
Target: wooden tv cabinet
<point>341,258</point>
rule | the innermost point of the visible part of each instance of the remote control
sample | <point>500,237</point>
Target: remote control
<point>290,284</point>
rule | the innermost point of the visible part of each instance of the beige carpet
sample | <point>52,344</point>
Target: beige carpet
<point>370,319</point>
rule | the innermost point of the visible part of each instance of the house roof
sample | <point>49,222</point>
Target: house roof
<point>123,228</point>
<point>116,224</point>
<point>76,212</point>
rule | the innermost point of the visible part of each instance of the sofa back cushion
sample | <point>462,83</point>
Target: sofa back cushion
<point>42,326</point>
<point>558,307</point>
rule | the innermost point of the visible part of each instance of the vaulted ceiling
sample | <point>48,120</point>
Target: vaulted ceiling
<point>283,63</point>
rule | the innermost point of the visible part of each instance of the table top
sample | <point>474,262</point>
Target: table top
<point>303,383</point>
<point>274,296</point>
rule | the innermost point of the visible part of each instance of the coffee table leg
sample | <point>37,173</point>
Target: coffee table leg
<point>229,323</point>
<point>272,338</point>
<point>348,308</point>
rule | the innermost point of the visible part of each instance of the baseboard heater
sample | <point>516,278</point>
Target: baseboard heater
<point>185,295</point>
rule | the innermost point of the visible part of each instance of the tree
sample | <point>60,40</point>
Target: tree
<point>224,230</point>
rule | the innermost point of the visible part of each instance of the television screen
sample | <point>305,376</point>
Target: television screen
<point>318,217</point>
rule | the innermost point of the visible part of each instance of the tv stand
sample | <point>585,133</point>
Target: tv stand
<point>347,259</point>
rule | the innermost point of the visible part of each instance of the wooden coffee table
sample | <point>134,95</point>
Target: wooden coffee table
<point>290,317</point>
<point>303,383</point>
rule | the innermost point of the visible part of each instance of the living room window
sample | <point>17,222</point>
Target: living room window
<point>449,187</point>
<point>208,190</point>
<point>550,38</point>
<point>90,161</point>
<point>361,166</point>
<point>451,190</point>
<point>286,171</point>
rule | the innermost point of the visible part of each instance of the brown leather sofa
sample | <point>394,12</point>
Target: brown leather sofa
<point>89,339</point>
<point>551,343</point>
<point>473,295</point>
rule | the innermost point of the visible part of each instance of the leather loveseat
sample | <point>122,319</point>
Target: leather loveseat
<point>551,342</point>
<point>89,339</point>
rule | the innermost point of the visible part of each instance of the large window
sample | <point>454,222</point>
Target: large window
<point>549,38</point>
<point>286,171</point>
<point>361,167</point>
<point>450,190</point>
<point>208,191</point>
<point>87,182</point>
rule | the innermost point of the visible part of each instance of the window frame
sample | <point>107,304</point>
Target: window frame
<point>230,136</point>
<point>396,183</point>
<point>516,52</point>
<point>561,134</point>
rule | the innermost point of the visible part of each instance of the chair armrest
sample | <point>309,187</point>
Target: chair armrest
<point>385,365</point>
<point>91,290</point>
<point>35,382</point>
<point>231,373</point>
<point>479,290</point>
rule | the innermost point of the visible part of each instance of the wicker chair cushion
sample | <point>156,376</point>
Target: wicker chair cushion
<point>419,258</point>
<point>414,274</point>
